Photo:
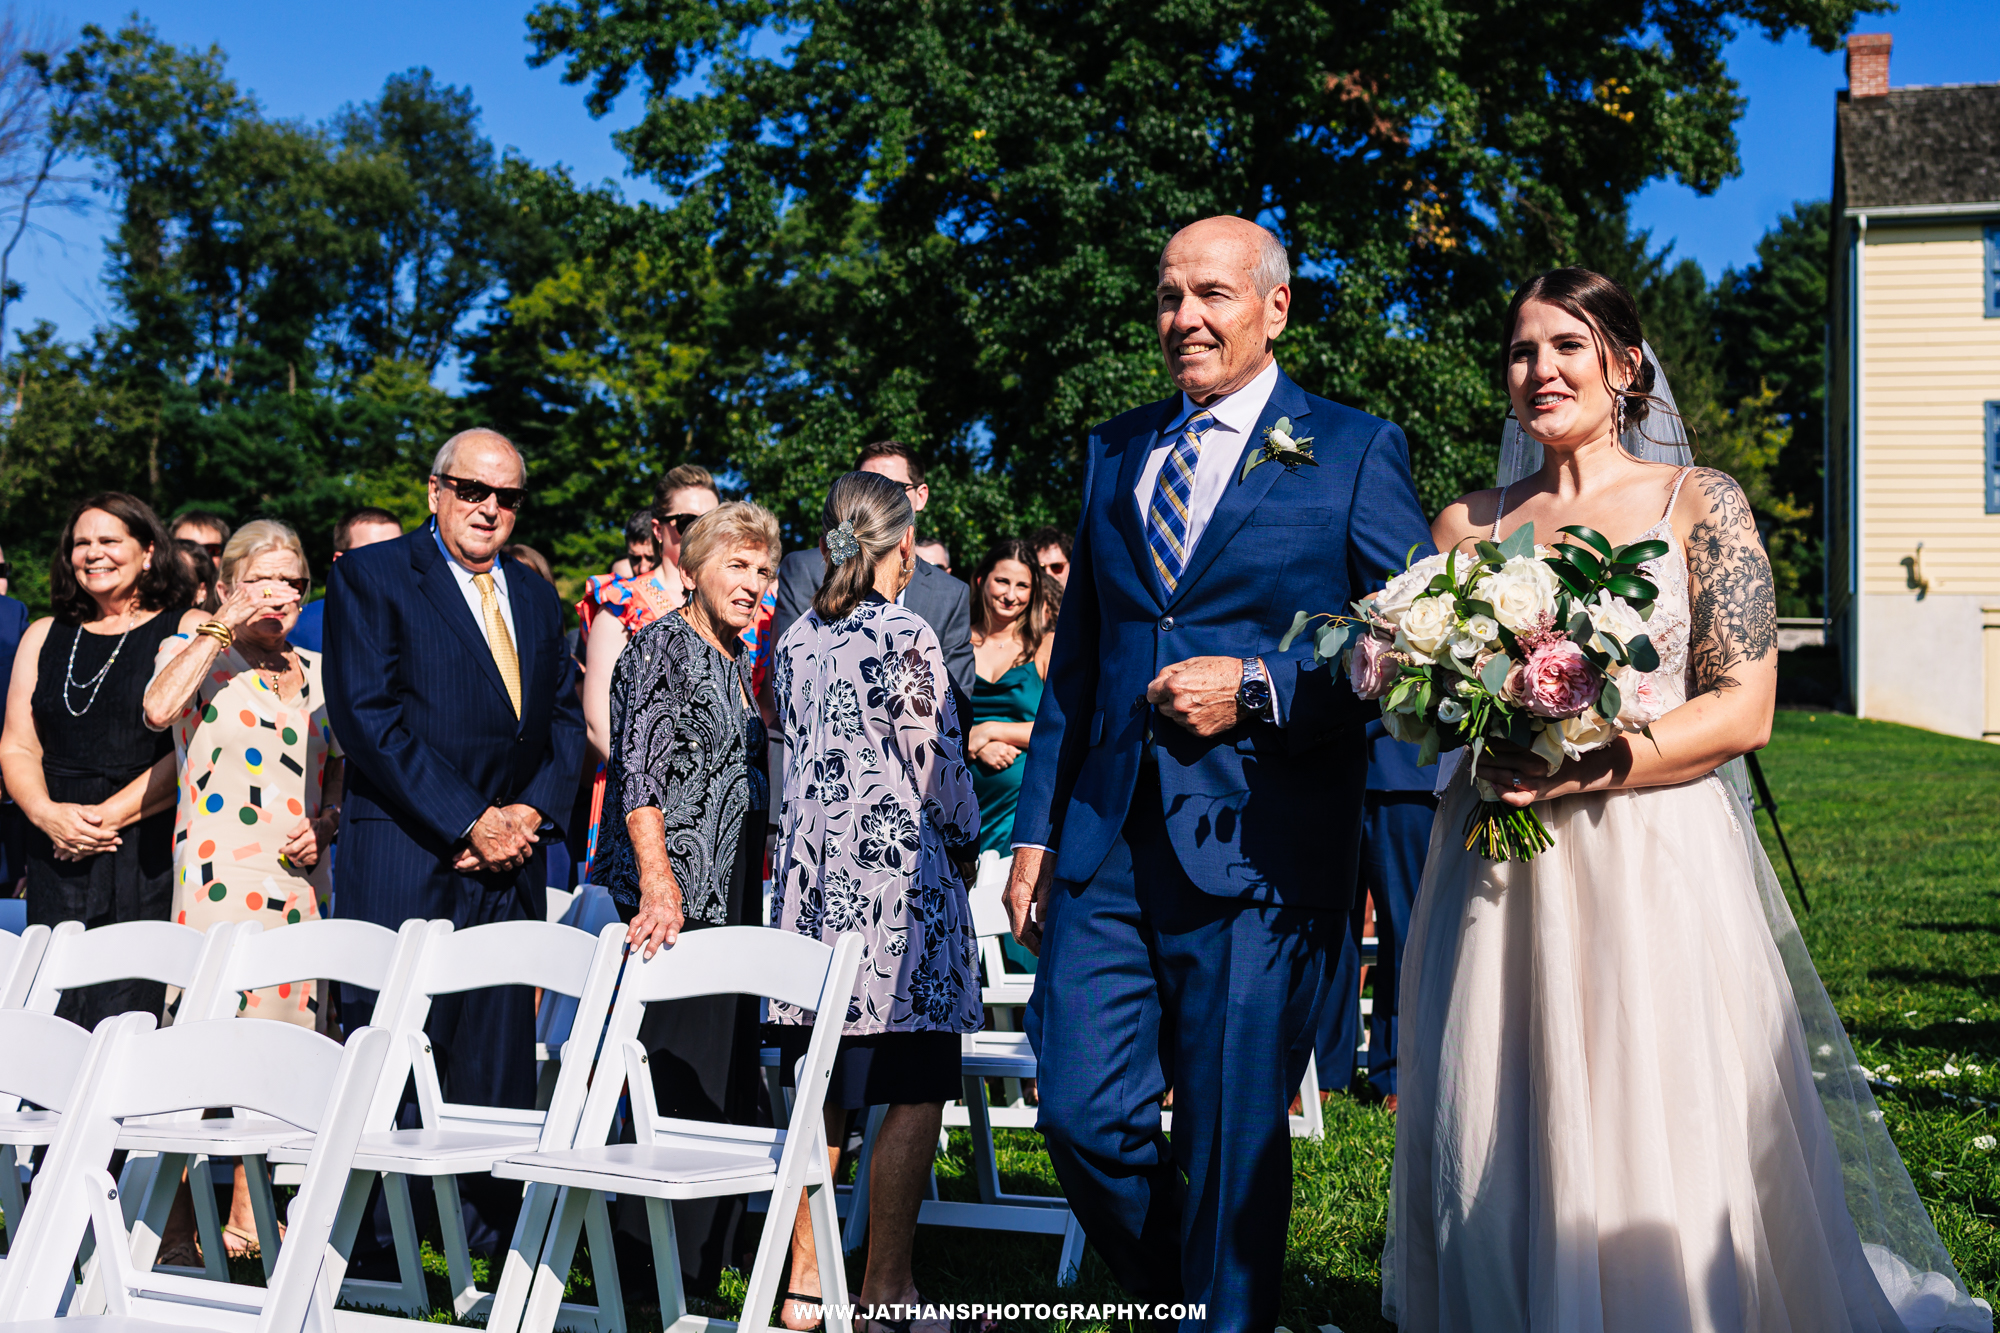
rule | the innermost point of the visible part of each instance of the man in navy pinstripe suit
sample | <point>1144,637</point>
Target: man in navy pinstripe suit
<point>455,702</point>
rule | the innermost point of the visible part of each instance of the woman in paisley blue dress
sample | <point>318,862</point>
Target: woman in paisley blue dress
<point>879,823</point>
<point>682,844</point>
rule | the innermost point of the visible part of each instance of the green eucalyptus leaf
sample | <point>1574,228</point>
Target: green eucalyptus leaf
<point>1299,622</point>
<point>1608,699</point>
<point>1579,628</point>
<point>1331,639</point>
<point>1494,678</point>
<point>1644,655</point>
<point>1522,542</point>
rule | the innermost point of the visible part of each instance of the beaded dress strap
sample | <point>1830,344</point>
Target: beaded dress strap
<point>1500,513</point>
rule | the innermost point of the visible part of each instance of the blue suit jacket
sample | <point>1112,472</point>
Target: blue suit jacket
<point>424,721</point>
<point>1262,812</point>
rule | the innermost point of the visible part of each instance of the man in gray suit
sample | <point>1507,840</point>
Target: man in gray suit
<point>933,594</point>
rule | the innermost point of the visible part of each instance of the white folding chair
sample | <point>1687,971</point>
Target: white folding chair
<point>72,957</point>
<point>355,952</point>
<point>1004,994</point>
<point>20,955</point>
<point>129,1071</point>
<point>459,1139</point>
<point>40,1058</point>
<point>687,1159</point>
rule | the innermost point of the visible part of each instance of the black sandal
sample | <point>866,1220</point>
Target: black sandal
<point>817,1302</point>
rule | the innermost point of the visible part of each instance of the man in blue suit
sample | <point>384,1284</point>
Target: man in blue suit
<point>1190,817</point>
<point>456,705</point>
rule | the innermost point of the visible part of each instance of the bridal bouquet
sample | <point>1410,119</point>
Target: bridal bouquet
<point>1542,646</point>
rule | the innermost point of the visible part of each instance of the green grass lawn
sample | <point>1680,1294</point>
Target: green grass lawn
<point>1897,833</point>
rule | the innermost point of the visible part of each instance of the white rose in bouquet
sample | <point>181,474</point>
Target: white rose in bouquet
<point>1585,732</point>
<point>1520,592</point>
<point>1427,624</point>
<point>1613,616</point>
<point>1482,629</point>
<point>1405,588</point>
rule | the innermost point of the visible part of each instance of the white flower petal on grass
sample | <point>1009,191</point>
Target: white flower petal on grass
<point>1975,1069</point>
<point>1986,1143</point>
<point>1932,1073</point>
<point>1826,1049</point>
<point>1910,1014</point>
<point>1876,1115</point>
<point>1937,1175</point>
<point>1951,1069</point>
<point>1961,1019</point>
<point>1881,1069</point>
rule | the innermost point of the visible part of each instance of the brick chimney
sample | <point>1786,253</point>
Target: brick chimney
<point>1868,64</point>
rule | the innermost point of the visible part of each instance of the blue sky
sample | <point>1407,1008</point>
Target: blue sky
<point>307,60</point>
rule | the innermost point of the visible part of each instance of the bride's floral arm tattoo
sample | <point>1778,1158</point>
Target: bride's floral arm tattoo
<point>1735,607</point>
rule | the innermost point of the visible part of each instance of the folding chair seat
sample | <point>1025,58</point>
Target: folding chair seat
<point>127,1071</point>
<point>355,952</point>
<point>684,1159</point>
<point>457,1139</point>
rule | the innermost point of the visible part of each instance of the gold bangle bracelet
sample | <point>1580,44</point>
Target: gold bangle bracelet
<point>218,631</point>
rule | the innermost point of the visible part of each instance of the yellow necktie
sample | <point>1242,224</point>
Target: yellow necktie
<point>498,639</point>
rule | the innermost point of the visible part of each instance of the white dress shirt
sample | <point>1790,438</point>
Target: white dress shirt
<point>472,599</point>
<point>1221,449</point>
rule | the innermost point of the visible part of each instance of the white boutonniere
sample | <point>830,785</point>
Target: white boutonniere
<point>1280,447</point>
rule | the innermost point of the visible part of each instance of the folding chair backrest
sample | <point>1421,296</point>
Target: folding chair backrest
<point>503,953</point>
<point>593,1008</point>
<point>40,1057</point>
<point>732,960</point>
<point>359,953</point>
<point>277,1069</point>
<point>20,957</point>
<point>128,950</point>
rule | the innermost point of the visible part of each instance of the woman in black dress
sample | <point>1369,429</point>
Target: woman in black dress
<point>96,785</point>
<point>681,843</point>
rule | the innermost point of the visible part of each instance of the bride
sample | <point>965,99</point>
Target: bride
<point>1627,1103</point>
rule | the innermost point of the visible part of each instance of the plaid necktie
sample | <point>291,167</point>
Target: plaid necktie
<point>1170,515</point>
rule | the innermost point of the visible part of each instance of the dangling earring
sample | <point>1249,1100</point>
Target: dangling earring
<point>1620,432</point>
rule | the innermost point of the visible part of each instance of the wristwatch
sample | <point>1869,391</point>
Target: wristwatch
<point>1253,696</point>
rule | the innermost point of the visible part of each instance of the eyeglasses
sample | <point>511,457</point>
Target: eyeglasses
<point>680,522</point>
<point>475,492</point>
<point>214,549</point>
<point>6,569</point>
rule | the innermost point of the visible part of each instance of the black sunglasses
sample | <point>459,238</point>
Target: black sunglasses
<point>6,569</point>
<point>680,522</point>
<point>475,492</point>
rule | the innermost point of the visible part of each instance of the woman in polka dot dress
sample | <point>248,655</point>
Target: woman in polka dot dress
<point>260,776</point>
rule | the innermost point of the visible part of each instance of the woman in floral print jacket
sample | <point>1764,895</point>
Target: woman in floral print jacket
<point>879,815</point>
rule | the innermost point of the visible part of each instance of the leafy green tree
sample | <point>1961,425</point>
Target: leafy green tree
<point>940,221</point>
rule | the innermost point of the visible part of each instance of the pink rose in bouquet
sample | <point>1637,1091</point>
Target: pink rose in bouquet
<point>1372,666</point>
<point>1559,680</point>
<point>1640,703</point>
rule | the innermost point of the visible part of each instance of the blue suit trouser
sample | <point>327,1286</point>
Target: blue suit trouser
<point>1146,983</point>
<point>1395,839</point>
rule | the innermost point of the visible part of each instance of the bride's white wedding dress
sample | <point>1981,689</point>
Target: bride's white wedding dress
<point>1626,1102</point>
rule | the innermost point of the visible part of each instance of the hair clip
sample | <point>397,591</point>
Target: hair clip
<point>841,543</point>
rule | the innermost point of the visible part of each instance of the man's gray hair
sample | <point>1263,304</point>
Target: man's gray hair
<point>447,453</point>
<point>1273,267</point>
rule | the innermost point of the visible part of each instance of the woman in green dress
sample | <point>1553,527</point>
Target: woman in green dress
<point>1013,630</point>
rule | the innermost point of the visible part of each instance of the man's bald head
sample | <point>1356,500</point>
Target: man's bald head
<point>1261,253</point>
<point>1223,297</point>
<point>483,441</point>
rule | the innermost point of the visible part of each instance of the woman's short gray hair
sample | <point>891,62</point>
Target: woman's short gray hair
<point>253,539</point>
<point>726,529</point>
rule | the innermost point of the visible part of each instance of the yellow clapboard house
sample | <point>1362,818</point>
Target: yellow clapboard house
<point>1913,408</point>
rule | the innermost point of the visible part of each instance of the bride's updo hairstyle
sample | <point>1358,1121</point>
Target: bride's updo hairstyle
<point>1608,309</point>
<point>866,514</point>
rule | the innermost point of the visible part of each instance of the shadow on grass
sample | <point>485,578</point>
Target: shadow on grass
<point>1954,927</point>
